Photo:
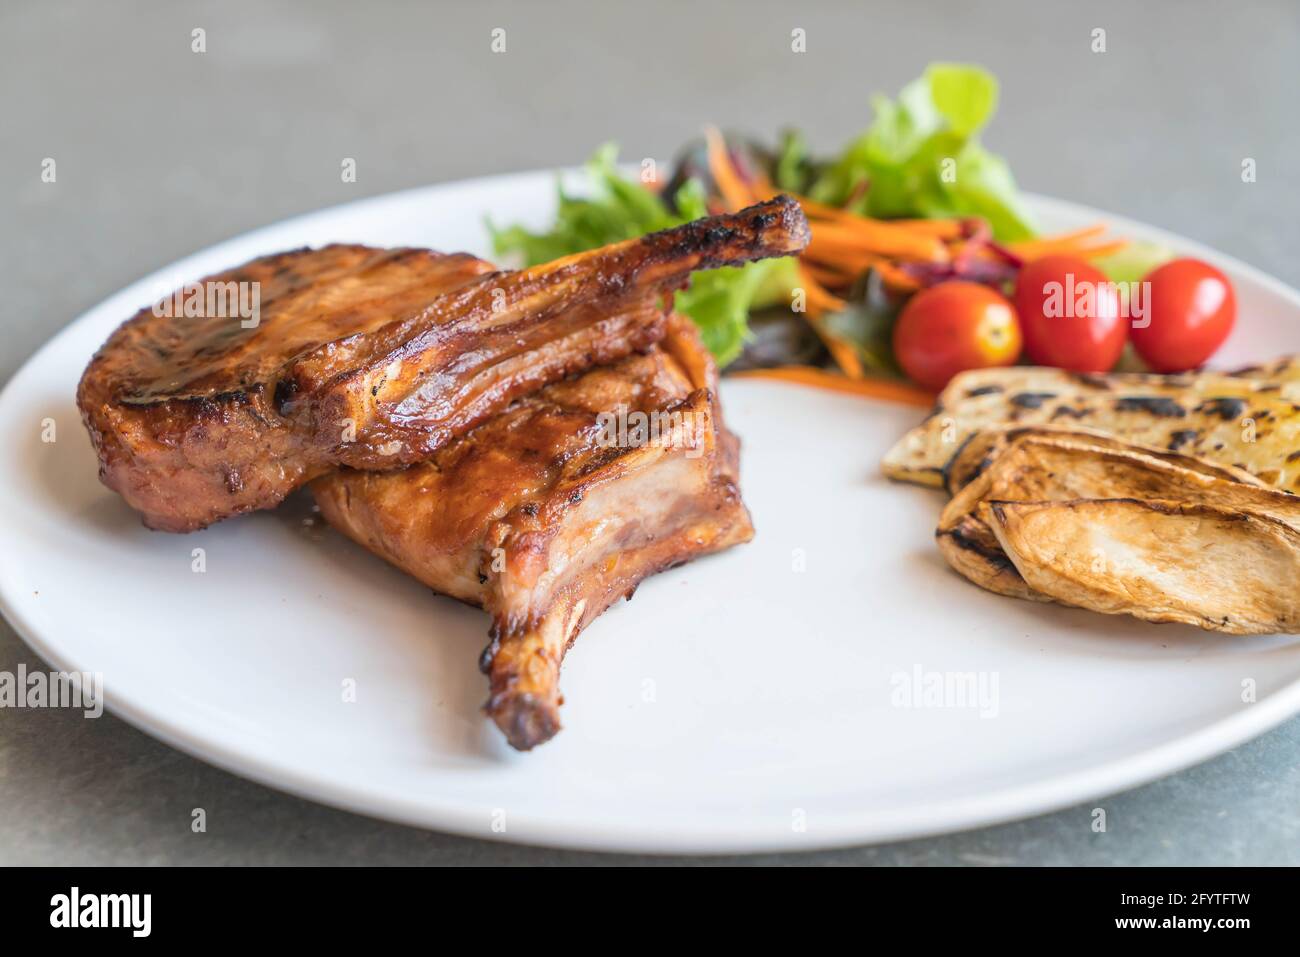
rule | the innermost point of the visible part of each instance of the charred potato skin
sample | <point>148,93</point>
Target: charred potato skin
<point>1059,475</point>
<point>1241,568</point>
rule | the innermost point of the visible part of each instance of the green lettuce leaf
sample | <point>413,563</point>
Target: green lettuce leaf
<point>921,156</point>
<point>966,96</point>
<point>790,168</point>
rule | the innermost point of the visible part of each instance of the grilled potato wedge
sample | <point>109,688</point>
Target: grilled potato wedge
<point>973,551</point>
<point>1221,569</point>
<point>982,448</point>
<point>1063,467</point>
<point>1247,421</point>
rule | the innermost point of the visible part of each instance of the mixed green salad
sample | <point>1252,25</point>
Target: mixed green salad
<point>912,202</point>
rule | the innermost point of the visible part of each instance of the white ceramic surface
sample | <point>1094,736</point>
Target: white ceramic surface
<point>736,704</point>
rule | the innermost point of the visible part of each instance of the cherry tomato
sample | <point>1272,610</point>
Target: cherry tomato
<point>1190,309</point>
<point>952,327</point>
<point>1069,315</point>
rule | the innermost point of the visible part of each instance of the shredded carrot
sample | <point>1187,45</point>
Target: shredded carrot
<point>821,379</point>
<point>832,274</point>
<point>1085,232</point>
<point>849,264</point>
<point>933,228</point>
<point>813,208</point>
<point>819,296</point>
<point>842,353</point>
<point>1048,245</point>
<point>1102,249</point>
<point>1085,251</point>
<point>989,253</point>
<point>877,237</point>
<point>819,300</point>
<point>729,182</point>
<point>895,278</point>
<point>945,229</point>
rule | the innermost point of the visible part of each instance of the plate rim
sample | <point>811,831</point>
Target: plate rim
<point>831,831</point>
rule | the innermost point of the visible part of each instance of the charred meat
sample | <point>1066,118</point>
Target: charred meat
<point>374,358</point>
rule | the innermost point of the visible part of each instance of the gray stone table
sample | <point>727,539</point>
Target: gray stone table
<point>162,151</point>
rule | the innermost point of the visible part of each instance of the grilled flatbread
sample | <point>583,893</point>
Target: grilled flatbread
<point>1250,421</point>
<point>1281,375</point>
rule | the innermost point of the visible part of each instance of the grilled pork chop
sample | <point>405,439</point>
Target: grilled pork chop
<point>549,512</point>
<point>374,358</point>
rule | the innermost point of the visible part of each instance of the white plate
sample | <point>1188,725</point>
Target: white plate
<point>736,704</point>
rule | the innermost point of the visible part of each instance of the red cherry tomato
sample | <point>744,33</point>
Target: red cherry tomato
<point>1069,314</point>
<point>1190,309</point>
<point>952,327</point>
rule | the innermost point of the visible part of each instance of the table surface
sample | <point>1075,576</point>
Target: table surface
<point>161,151</point>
